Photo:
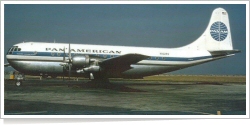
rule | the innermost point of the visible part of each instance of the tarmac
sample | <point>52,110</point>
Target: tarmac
<point>123,97</point>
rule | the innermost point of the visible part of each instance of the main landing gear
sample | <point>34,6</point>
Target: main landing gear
<point>98,78</point>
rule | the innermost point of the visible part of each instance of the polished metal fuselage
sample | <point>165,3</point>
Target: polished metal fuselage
<point>46,59</point>
<point>54,68</point>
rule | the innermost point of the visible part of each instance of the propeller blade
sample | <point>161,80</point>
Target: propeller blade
<point>64,54</point>
<point>69,53</point>
<point>63,72</point>
<point>69,70</point>
<point>70,65</point>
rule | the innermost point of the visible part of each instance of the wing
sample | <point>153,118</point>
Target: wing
<point>121,63</point>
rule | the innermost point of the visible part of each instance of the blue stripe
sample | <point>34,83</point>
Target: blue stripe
<point>106,56</point>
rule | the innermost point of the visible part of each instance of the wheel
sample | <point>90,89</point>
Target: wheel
<point>18,83</point>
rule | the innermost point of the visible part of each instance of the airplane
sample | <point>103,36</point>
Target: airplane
<point>101,62</point>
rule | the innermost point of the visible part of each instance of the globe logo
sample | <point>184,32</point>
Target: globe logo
<point>218,31</point>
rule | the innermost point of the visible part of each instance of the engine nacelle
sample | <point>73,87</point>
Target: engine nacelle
<point>81,61</point>
<point>92,69</point>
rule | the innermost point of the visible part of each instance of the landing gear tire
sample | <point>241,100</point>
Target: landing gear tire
<point>18,83</point>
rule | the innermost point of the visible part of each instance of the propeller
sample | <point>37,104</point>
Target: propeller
<point>67,62</point>
<point>63,62</point>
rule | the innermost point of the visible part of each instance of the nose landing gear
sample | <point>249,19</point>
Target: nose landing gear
<point>18,83</point>
<point>19,80</point>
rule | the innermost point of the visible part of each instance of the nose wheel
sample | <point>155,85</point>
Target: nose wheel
<point>18,83</point>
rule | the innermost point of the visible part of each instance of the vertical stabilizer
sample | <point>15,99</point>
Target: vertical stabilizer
<point>217,36</point>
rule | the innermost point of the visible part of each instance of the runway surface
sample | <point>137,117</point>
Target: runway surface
<point>125,97</point>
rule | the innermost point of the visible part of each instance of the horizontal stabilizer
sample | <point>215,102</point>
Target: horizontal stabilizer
<point>224,52</point>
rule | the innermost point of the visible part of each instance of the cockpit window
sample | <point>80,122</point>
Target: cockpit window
<point>10,51</point>
<point>14,48</point>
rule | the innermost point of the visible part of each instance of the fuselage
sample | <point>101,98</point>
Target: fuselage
<point>40,58</point>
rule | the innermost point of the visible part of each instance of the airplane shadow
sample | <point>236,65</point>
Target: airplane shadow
<point>107,86</point>
<point>114,86</point>
<point>120,86</point>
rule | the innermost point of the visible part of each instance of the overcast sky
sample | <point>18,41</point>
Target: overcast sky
<point>165,26</point>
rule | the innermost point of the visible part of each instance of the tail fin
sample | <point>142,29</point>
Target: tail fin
<point>217,36</point>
